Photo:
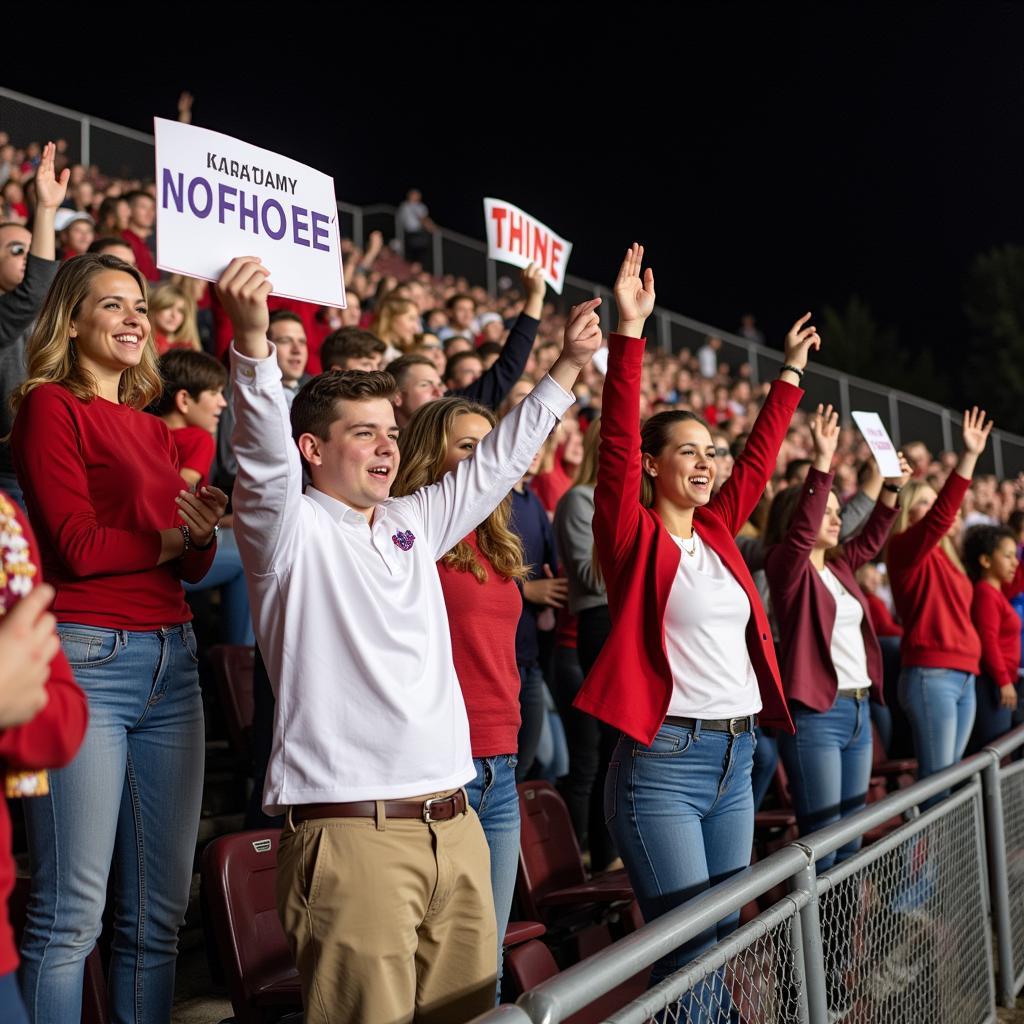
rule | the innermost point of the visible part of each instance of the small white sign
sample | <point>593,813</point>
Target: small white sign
<point>515,237</point>
<point>218,198</point>
<point>871,426</point>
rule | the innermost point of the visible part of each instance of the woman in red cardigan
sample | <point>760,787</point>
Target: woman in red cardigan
<point>940,649</point>
<point>689,661</point>
<point>831,660</point>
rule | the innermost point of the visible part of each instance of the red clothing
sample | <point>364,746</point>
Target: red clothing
<point>803,606</point>
<point>932,596</point>
<point>550,486</point>
<point>630,685</point>
<point>482,618</point>
<point>164,344</point>
<point>100,482</point>
<point>998,629</point>
<point>53,737</point>
<point>143,257</point>
<point>881,617</point>
<point>196,449</point>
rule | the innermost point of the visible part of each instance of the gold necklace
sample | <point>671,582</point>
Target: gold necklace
<point>691,551</point>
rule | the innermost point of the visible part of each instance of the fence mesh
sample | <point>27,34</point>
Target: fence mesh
<point>905,935</point>
<point>1012,785</point>
<point>760,984</point>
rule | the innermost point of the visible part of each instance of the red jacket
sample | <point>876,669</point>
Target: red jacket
<point>630,685</point>
<point>803,606</point>
<point>933,597</point>
<point>53,737</point>
<point>881,617</point>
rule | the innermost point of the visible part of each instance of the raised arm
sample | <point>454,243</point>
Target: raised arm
<point>866,545</point>
<point>617,492</point>
<point>754,468</point>
<point>491,387</point>
<point>461,500</point>
<point>267,495</point>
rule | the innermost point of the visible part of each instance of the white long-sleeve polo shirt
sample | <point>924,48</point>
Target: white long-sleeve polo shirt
<point>349,614</point>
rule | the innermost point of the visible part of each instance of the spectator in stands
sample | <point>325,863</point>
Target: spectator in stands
<point>139,232</point>
<point>990,557</point>
<point>417,227</point>
<point>416,383</point>
<point>43,713</point>
<point>455,343</point>
<point>429,345</point>
<point>76,232</point>
<point>707,357</point>
<point>480,578</point>
<point>113,217</point>
<point>352,349</point>
<point>689,633</point>
<point>461,317</point>
<point>358,569</point>
<point>749,329</point>
<point>919,457</point>
<point>940,648</point>
<point>172,311</point>
<point>117,535</point>
<point>28,265</point>
<point>462,369</point>
<point>14,202</point>
<point>396,321</point>
<point>114,247</point>
<point>831,660</point>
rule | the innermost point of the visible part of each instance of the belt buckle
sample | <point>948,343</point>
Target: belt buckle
<point>427,804</point>
<point>733,731</point>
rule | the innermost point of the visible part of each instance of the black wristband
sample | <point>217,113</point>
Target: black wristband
<point>892,488</point>
<point>187,535</point>
<point>792,369</point>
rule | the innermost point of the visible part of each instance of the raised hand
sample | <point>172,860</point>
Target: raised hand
<point>582,333</point>
<point>185,108</point>
<point>535,287</point>
<point>825,435</point>
<point>976,430</point>
<point>51,191</point>
<point>906,472</point>
<point>633,296</point>
<point>799,341</point>
<point>243,289</point>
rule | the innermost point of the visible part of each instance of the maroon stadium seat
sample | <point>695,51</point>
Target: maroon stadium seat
<point>239,872</point>
<point>232,667</point>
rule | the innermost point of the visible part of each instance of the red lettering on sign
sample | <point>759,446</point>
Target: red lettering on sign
<point>540,249</point>
<point>556,249</point>
<point>515,233</point>
<point>498,215</point>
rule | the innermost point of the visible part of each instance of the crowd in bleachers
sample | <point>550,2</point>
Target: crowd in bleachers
<point>650,569</point>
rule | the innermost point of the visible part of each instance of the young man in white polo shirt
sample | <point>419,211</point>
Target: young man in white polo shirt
<point>384,884</point>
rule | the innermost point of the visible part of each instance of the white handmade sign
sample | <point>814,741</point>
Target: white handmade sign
<point>515,237</point>
<point>871,426</point>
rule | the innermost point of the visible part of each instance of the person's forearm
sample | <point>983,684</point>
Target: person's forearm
<point>565,373</point>
<point>172,545</point>
<point>631,328</point>
<point>253,344</point>
<point>822,461</point>
<point>534,305</point>
<point>965,467</point>
<point>43,234</point>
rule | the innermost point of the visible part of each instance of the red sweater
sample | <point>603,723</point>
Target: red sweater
<point>550,486</point>
<point>100,481</point>
<point>881,617</point>
<point>630,684</point>
<point>143,257</point>
<point>803,606</point>
<point>999,631</point>
<point>933,597</point>
<point>482,618</point>
<point>196,449</point>
<point>53,737</point>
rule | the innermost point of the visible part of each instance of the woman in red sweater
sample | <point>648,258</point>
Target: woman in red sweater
<point>940,648</point>
<point>42,712</point>
<point>117,534</point>
<point>690,660</point>
<point>831,660</point>
<point>990,557</point>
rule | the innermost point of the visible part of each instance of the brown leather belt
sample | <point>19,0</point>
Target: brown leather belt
<point>861,693</point>
<point>733,726</point>
<point>438,808</point>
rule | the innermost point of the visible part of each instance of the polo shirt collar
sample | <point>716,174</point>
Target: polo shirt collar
<point>342,513</point>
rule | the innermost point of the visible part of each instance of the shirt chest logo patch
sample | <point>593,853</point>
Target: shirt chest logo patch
<point>404,539</point>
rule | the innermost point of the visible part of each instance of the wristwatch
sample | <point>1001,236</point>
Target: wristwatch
<point>209,544</point>
<point>892,488</point>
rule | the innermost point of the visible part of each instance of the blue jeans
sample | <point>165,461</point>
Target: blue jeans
<point>532,711</point>
<point>940,705</point>
<point>829,766</point>
<point>492,794</point>
<point>12,1009</point>
<point>991,719</point>
<point>682,814</point>
<point>132,795</point>
<point>766,760</point>
<point>228,574</point>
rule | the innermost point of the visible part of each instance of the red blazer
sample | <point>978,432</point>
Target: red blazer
<point>630,685</point>
<point>803,606</point>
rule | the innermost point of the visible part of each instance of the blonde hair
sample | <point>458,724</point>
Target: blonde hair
<point>388,310</point>
<point>586,472</point>
<point>164,296</point>
<point>424,448</point>
<point>908,497</point>
<point>51,355</point>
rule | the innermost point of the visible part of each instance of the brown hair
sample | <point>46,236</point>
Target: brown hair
<point>316,405</point>
<point>184,370</point>
<point>424,448</point>
<point>908,497</point>
<point>389,309</point>
<point>52,358</point>
<point>398,367</point>
<point>654,435</point>
<point>349,343</point>
<point>587,471</point>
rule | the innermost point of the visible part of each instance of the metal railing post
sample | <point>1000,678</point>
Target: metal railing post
<point>665,330</point>
<point>995,835</point>
<point>997,453</point>
<point>947,430</point>
<point>844,398</point>
<point>438,256</point>
<point>85,143</point>
<point>894,418</point>
<point>813,948</point>
<point>357,227</point>
<point>796,930</point>
<point>492,277</point>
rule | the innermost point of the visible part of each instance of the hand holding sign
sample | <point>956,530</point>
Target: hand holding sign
<point>515,237</point>
<point>533,283</point>
<point>635,298</point>
<point>906,472</point>
<point>243,289</point>
<point>873,430</point>
<point>825,434</point>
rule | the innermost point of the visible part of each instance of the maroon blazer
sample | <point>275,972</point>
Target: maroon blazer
<point>803,606</point>
<point>630,685</point>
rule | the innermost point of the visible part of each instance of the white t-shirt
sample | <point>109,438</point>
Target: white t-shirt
<point>705,638</point>
<point>849,658</point>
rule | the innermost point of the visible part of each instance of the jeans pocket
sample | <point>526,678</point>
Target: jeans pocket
<point>314,839</point>
<point>188,638</point>
<point>88,647</point>
<point>672,742</point>
<point>611,789</point>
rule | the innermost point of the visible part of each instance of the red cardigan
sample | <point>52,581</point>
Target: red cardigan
<point>881,617</point>
<point>933,597</point>
<point>803,606</point>
<point>630,685</point>
<point>999,630</point>
<point>53,737</point>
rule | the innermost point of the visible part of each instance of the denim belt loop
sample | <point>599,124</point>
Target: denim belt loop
<point>696,728</point>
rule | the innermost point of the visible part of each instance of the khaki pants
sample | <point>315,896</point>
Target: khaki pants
<point>390,921</point>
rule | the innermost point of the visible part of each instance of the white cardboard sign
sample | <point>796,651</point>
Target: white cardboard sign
<point>871,426</point>
<point>218,198</point>
<point>517,238</point>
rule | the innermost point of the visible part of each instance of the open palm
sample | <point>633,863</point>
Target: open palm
<point>634,297</point>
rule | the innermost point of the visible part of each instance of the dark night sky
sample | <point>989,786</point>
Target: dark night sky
<point>772,157</point>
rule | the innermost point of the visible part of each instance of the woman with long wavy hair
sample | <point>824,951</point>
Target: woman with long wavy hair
<point>117,535</point>
<point>396,321</point>
<point>481,579</point>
